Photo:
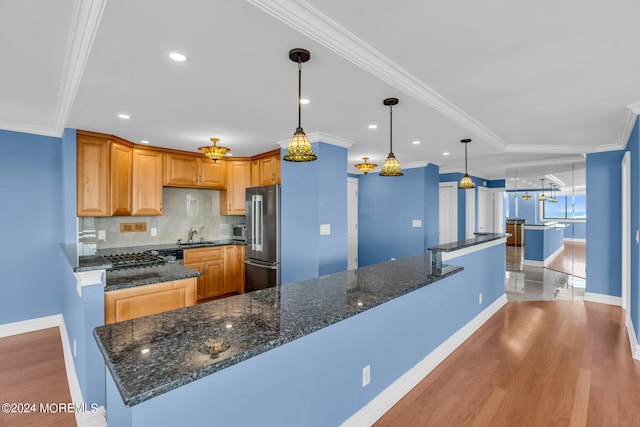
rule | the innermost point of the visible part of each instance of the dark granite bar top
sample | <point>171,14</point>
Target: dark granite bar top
<point>152,355</point>
<point>516,221</point>
<point>131,277</point>
<point>460,244</point>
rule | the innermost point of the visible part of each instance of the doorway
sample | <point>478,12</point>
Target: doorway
<point>352,223</point>
<point>448,212</point>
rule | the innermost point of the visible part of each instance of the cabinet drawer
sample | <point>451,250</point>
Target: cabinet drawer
<point>203,254</point>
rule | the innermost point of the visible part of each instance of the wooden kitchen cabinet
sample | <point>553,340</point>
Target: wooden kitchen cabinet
<point>186,170</point>
<point>139,301</point>
<point>93,173</point>
<point>121,179</point>
<point>265,168</point>
<point>147,182</point>
<point>232,200</point>
<point>221,269</point>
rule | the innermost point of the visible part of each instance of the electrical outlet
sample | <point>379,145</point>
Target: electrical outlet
<point>366,375</point>
<point>325,229</point>
<point>416,223</point>
<point>480,298</point>
<point>393,259</point>
<point>154,231</point>
<point>102,235</point>
<point>74,347</point>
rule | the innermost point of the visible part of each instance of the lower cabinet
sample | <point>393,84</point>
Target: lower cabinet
<point>221,269</point>
<point>140,301</point>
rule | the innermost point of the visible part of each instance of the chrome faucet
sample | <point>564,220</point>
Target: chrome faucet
<point>191,233</point>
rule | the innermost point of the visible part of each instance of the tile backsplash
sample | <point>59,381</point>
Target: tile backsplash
<point>183,208</point>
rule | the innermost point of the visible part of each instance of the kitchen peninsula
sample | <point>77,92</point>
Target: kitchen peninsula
<point>297,341</point>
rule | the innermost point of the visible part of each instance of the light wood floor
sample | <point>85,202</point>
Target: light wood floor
<point>572,260</point>
<point>539,363</point>
<point>32,371</point>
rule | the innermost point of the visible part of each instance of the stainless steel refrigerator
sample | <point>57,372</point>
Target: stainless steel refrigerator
<point>263,237</point>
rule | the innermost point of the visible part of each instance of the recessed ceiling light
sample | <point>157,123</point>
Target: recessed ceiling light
<point>416,142</point>
<point>177,56</point>
<point>124,116</point>
<point>372,126</point>
<point>144,141</point>
<point>446,153</point>
<point>304,101</point>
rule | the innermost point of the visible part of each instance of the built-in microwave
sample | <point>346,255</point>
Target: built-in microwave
<point>239,232</point>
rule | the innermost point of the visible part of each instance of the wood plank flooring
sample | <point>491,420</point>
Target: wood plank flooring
<point>32,371</point>
<point>572,260</point>
<point>534,363</point>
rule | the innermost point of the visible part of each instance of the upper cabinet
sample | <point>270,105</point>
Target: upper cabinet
<point>121,179</point>
<point>93,174</point>
<point>187,170</point>
<point>238,179</point>
<point>265,168</point>
<point>147,182</point>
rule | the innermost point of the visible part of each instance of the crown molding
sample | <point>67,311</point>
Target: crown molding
<point>630,115</point>
<point>322,137</point>
<point>548,162</point>
<point>309,21</point>
<point>546,149</point>
<point>414,165</point>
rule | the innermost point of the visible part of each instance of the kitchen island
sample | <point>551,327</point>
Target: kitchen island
<point>277,351</point>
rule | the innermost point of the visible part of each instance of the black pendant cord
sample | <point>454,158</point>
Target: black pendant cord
<point>465,158</point>
<point>299,91</point>
<point>391,129</point>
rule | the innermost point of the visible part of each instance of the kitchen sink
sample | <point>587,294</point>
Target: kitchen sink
<point>195,244</point>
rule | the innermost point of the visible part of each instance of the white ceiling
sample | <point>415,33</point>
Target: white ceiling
<point>532,83</point>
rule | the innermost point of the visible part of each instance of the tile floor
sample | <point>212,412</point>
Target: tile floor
<point>527,283</point>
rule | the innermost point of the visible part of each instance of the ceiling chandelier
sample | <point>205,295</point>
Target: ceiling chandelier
<point>391,167</point>
<point>466,182</point>
<point>542,196</point>
<point>299,149</point>
<point>214,152</point>
<point>366,167</point>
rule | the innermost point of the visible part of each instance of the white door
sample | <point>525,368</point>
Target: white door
<point>470,213</point>
<point>626,234</point>
<point>448,203</point>
<point>485,210</point>
<point>498,212</point>
<point>352,223</point>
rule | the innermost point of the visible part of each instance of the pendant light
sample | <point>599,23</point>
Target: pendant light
<point>466,183</point>
<point>299,149</point>
<point>366,167</point>
<point>553,199</point>
<point>526,196</point>
<point>214,152</point>
<point>391,167</point>
<point>542,197</point>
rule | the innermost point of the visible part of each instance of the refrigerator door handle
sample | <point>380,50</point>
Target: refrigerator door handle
<point>269,266</point>
<point>259,223</point>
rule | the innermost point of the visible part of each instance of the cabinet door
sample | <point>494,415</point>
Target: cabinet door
<point>269,170</point>
<point>92,176</point>
<point>180,170</point>
<point>232,200</point>
<point>147,182</point>
<point>233,269</point>
<point>200,280</point>
<point>213,278</point>
<point>211,174</point>
<point>121,163</point>
<point>255,173</point>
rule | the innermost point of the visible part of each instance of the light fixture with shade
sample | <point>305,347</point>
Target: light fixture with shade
<point>526,196</point>
<point>299,149</point>
<point>466,183</point>
<point>365,167</point>
<point>391,167</point>
<point>553,198</point>
<point>214,152</point>
<point>542,197</point>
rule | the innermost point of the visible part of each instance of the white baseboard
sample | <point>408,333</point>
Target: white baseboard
<point>373,410</point>
<point>633,342</point>
<point>83,419</point>
<point>603,299</point>
<point>547,260</point>
<point>575,239</point>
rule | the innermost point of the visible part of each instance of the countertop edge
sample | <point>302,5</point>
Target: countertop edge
<point>461,244</point>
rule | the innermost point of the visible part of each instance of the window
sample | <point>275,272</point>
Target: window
<point>568,207</point>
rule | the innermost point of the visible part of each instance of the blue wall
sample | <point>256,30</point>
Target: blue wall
<point>604,182</point>
<point>541,244</point>
<point>633,145</point>
<point>32,226</point>
<point>317,380</point>
<point>314,193</point>
<point>386,208</point>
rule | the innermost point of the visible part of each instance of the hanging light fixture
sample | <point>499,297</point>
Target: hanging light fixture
<point>391,167</point>
<point>553,199</point>
<point>366,167</point>
<point>526,196</point>
<point>214,152</point>
<point>299,149</point>
<point>466,182</point>
<point>542,197</point>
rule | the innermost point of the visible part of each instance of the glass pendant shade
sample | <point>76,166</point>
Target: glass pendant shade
<point>526,196</point>
<point>391,167</point>
<point>553,199</point>
<point>299,149</point>
<point>214,152</point>
<point>466,183</point>
<point>542,197</point>
<point>365,167</point>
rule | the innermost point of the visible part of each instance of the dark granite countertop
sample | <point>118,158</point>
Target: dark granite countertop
<point>460,244</point>
<point>132,277</point>
<point>152,355</point>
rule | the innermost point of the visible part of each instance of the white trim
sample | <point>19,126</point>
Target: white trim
<point>533,263</point>
<point>546,149</point>
<point>625,220</point>
<point>630,115</point>
<point>633,342</point>
<point>30,325</point>
<point>548,162</point>
<point>309,21</point>
<point>603,299</point>
<point>380,404</point>
<point>322,137</point>
<point>608,147</point>
<point>88,278</point>
<point>447,256</point>
<point>575,239</point>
